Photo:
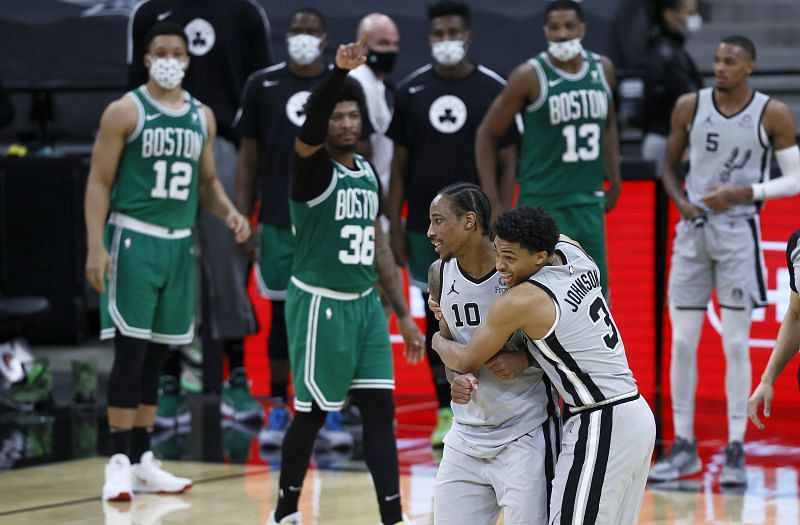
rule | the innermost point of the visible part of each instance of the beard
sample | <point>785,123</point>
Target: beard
<point>343,148</point>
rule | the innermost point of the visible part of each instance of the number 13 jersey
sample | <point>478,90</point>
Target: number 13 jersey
<point>583,354</point>
<point>159,170</point>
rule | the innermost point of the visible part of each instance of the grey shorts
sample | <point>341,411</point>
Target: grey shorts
<point>721,254</point>
<point>473,491</point>
<point>224,267</point>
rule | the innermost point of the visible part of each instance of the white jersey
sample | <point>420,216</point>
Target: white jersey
<point>582,354</point>
<point>500,411</point>
<point>727,150</point>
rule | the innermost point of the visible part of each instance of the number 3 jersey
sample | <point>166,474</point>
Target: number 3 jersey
<point>158,172</point>
<point>562,147</point>
<point>727,150</point>
<point>335,231</point>
<point>499,411</point>
<point>583,354</point>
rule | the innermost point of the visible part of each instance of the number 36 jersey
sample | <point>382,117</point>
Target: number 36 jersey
<point>158,173</point>
<point>583,354</point>
<point>335,231</point>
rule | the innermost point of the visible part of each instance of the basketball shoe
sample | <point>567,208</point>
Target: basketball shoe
<point>148,476</point>
<point>681,461</point>
<point>291,519</point>
<point>117,485</point>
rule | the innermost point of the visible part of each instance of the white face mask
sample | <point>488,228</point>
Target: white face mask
<point>694,23</point>
<point>167,72</point>
<point>449,52</point>
<point>304,49</point>
<point>565,51</point>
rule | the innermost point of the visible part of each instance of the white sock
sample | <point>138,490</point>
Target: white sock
<point>686,327</point>
<point>736,344</point>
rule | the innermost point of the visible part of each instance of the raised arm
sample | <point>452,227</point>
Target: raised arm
<point>676,145</point>
<point>611,141</point>
<point>522,87</point>
<point>117,122</point>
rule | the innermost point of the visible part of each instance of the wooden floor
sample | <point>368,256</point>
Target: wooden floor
<point>68,493</point>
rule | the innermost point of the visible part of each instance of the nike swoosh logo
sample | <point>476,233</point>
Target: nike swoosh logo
<point>270,83</point>
<point>553,83</point>
<point>154,116</point>
<point>391,498</point>
<point>415,89</point>
<point>295,489</point>
<point>163,15</point>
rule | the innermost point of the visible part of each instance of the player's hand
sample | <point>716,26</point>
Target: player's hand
<point>239,225</point>
<point>688,210</point>
<point>612,196</point>
<point>249,248</point>
<point>435,308</point>
<point>762,394</point>
<point>413,338</point>
<point>399,244</point>
<point>720,197</point>
<point>98,267</point>
<point>507,365</point>
<point>461,388</point>
<point>350,56</point>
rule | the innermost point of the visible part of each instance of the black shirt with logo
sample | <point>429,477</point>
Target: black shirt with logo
<point>436,119</point>
<point>228,40</point>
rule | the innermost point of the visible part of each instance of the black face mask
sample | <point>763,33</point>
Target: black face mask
<point>381,62</point>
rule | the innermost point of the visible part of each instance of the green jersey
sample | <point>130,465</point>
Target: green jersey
<point>158,173</point>
<point>562,147</point>
<point>335,232</point>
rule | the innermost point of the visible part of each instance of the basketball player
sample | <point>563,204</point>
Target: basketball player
<point>437,110</point>
<point>731,131</point>
<point>273,109</point>
<point>555,299</point>
<point>788,339</point>
<point>338,334</point>
<point>499,453</point>
<point>570,144</point>
<point>152,161</point>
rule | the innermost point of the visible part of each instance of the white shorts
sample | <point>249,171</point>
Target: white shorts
<point>602,468</point>
<point>473,491</point>
<point>721,254</point>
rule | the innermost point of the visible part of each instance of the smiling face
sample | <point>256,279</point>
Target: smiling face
<point>515,263</point>
<point>450,232</point>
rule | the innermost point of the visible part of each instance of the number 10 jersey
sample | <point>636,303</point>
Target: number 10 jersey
<point>159,170</point>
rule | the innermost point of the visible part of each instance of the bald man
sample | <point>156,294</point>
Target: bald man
<point>383,44</point>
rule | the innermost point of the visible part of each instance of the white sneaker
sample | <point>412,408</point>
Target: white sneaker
<point>291,519</point>
<point>148,476</point>
<point>117,485</point>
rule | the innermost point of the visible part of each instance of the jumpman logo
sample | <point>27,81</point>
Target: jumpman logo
<point>453,288</point>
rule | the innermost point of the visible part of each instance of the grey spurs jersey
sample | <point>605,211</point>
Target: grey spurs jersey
<point>727,150</point>
<point>582,354</point>
<point>499,411</point>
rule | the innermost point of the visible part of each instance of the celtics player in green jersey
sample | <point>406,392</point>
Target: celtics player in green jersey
<point>570,144</point>
<point>338,336</point>
<point>152,163</point>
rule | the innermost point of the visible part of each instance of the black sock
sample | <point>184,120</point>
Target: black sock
<point>380,450</point>
<point>120,440</point>
<point>297,448</point>
<point>235,352</point>
<point>140,442</point>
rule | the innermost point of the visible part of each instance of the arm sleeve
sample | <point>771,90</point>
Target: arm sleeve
<point>311,175</point>
<point>320,106</point>
<point>789,182</point>
<point>138,24</point>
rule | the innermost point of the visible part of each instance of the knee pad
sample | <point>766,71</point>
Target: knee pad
<point>278,340</point>
<point>126,372</point>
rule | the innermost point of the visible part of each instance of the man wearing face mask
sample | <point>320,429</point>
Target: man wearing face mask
<point>382,44</point>
<point>271,114</point>
<point>437,111</point>
<point>570,145</point>
<point>671,72</point>
<point>152,163</point>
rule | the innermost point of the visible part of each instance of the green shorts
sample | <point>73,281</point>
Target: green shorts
<point>420,257</point>
<point>337,342</point>
<point>150,294</point>
<point>583,221</point>
<point>274,261</point>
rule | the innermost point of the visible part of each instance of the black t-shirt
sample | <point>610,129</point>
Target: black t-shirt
<point>436,119</point>
<point>228,40</point>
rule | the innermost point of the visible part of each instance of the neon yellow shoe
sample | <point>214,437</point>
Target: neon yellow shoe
<point>443,424</point>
